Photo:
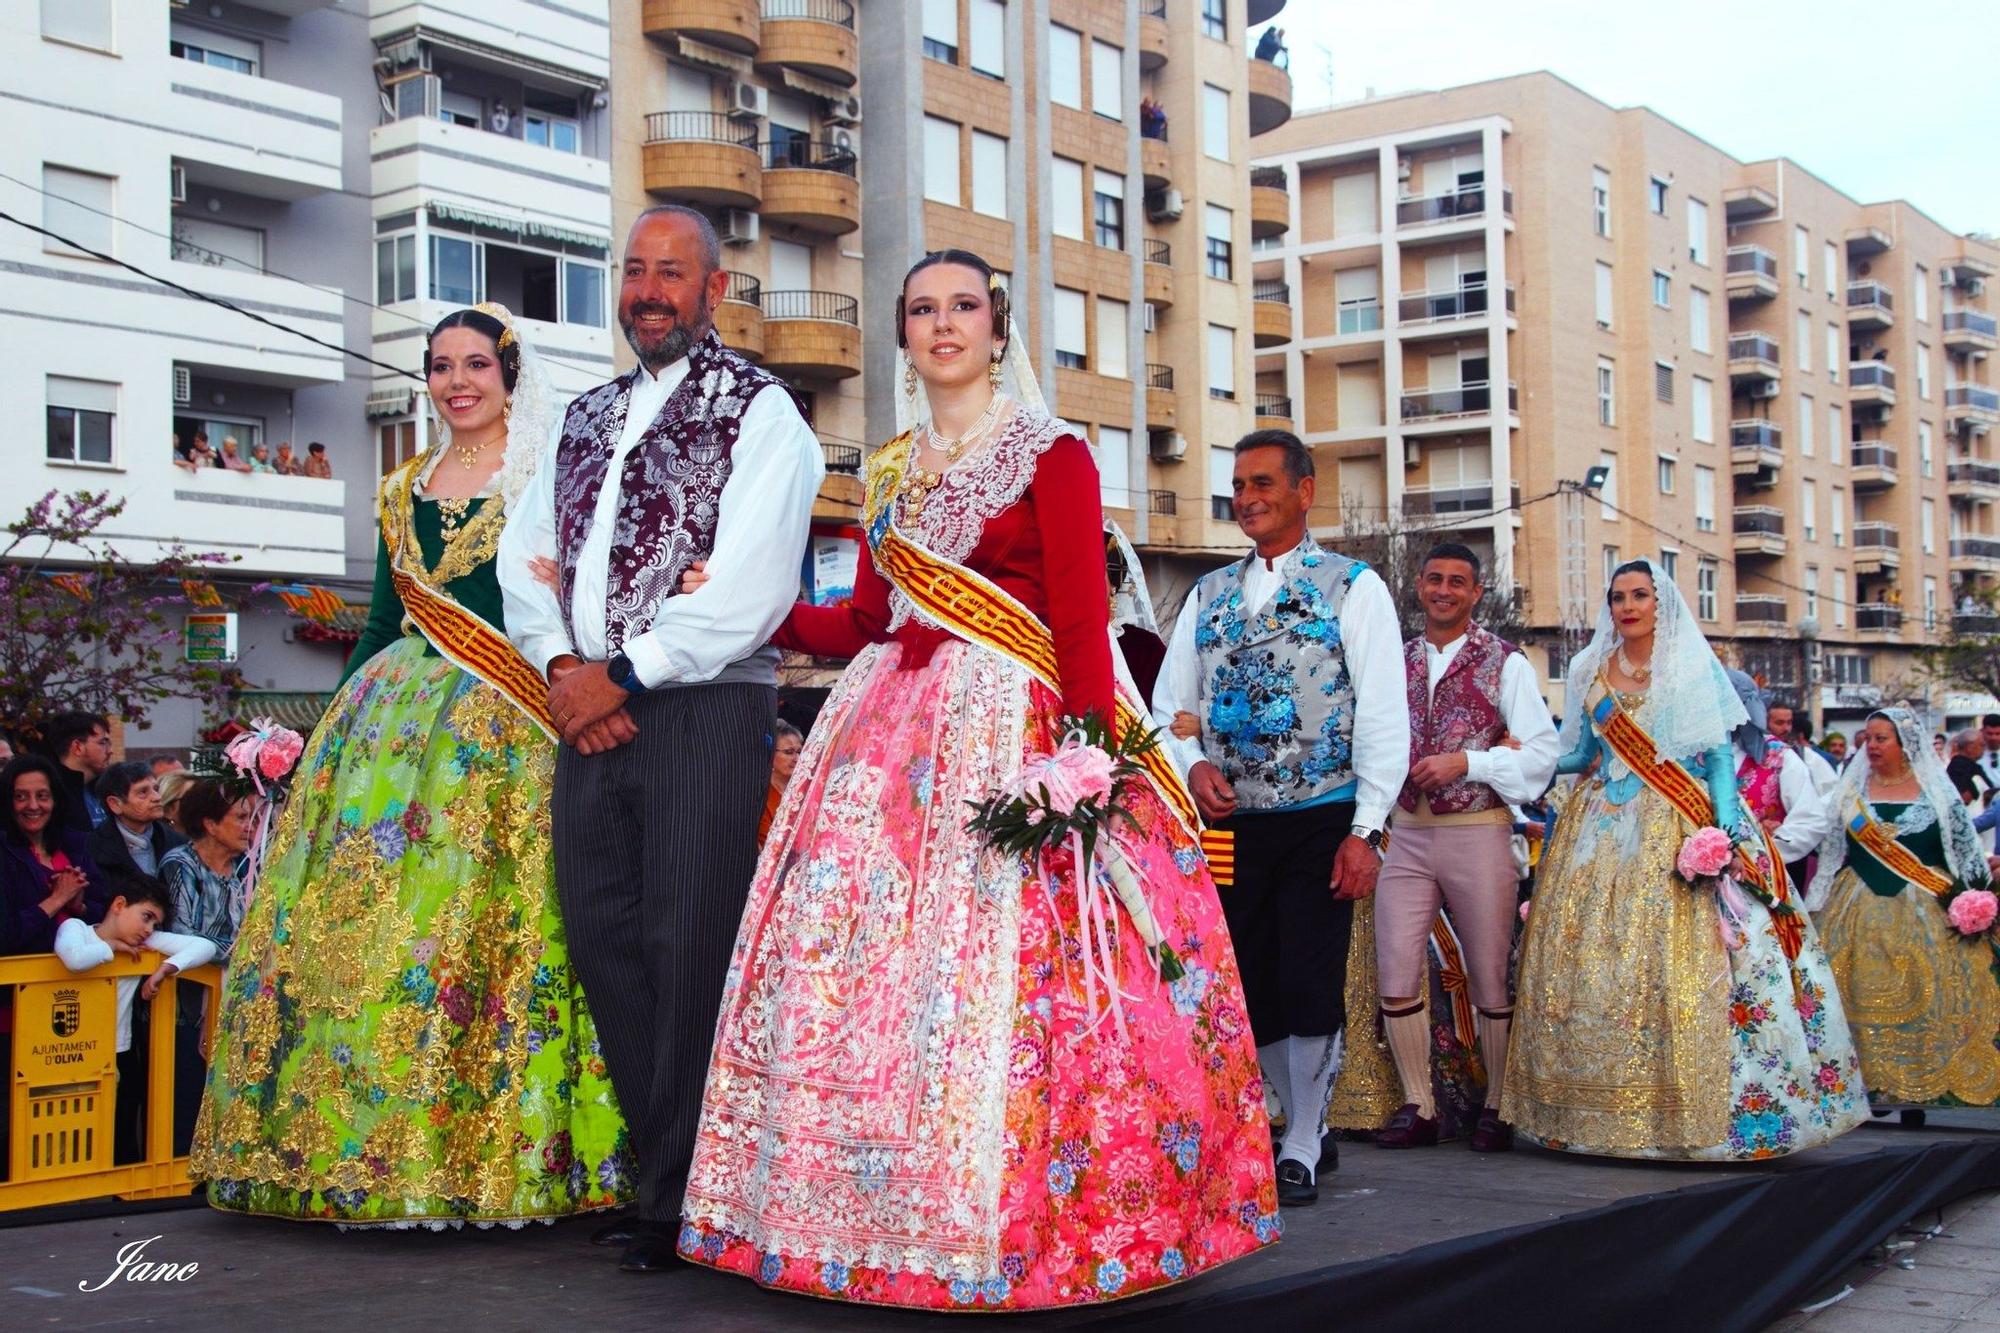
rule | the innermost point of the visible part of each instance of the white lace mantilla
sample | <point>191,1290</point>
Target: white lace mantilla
<point>975,490</point>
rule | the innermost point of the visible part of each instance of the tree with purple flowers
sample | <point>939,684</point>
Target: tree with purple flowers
<point>83,628</point>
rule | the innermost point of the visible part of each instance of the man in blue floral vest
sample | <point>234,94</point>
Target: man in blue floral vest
<point>1291,659</point>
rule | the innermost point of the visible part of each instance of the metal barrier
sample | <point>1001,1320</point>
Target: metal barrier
<point>63,1082</point>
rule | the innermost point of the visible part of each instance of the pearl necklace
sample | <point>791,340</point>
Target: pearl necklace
<point>1625,664</point>
<point>922,481</point>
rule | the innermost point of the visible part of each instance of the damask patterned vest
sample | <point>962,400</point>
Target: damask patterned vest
<point>1277,700</point>
<point>669,490</point>
<point>1463,713</point>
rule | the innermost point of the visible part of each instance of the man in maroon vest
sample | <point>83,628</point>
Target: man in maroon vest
<point>666,700</point>
<point>1468,689</point>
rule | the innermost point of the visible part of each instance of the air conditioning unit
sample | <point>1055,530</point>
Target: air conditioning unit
<point>1168,446</point>
<point>1164,205</point>
<point>183,381</point>
<point>843,142</point>
<point>739,226</point>
<point>177,183</point>
<point>1413,454</point>
<point>747,101</point>
<point>1404,167</point>
<point>1150,319</point>
<point>1768,389</point>
<point>844,110</point>
<point>1975,286</point>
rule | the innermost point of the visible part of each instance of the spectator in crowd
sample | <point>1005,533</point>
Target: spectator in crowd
<point>80,743</point>
<point>287,463</point>
<point>6,747</point>
<point>260,459</point>
<point>1989,754</point>
<point>206,874</point>
<point>174,784</point>
<point>317,464</point>
<point>1271,46</point>
<point>1786,725</point>
<point>1836,749</point>
<point>1966,776</point>
<point>200,454</point>
<point>232,458</point>
<point>164,764</point>
<point>1939,744</point>
<point>1152,119</point>
<point>787,741</point>
<point>46,874</point>
<point>183,456</point>
<point>137,835</point>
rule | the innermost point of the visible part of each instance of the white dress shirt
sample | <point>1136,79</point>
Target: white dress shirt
<point>1808,814</point>
<point>761,530</point>
<point>82,948</point>
<point>1374,645</point>
<point>1516,776</point>
<point>1824,778</point>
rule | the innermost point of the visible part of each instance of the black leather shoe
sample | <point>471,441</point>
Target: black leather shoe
<point>621,1231</point>
<point>652,1252</point>
<point>1295,1185</point>
<point>1912,1118</point>
<point>1329,1156</point>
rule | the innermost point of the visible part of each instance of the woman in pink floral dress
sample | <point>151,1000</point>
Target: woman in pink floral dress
<point>915,1097</point>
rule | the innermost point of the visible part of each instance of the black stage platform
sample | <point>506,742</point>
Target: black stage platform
<point>1432,1239</point>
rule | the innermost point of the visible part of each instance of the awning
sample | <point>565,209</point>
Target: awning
<point>715,57</point>
<point>525,227</point>
<point>391,402</point>
<point>297,709</point>
<point>560,75</point>
<point>807,84</point>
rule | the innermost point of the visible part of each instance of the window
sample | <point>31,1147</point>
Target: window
<point>78,205</point>
<point>1802,336</point>
<point>1600,200</point>
<point>1607,393</point>
<point>1812,591</point>
<point>1924,447</point>
<point>395,444</point>
<point>1065,66</point>
<point>1670,563</point>
<point>81,414</point>
<point>1071,339</point>
<point>1215,122</point>
<point>941,161</point>
<point>1835,347</point>
<point>989,174</point>
<point>1836,515</point>
<point>1603,295</point>
<point>1107,80</point>
<point>1668,468</point>
<point>1927,525</point>
<point>86,22</point>
<point>1109,192</point>
<point>1839,598</point>
<point>1218,223</point>
<point>988,24</point>
<point>1607,498</point>
<point>551,121</point>
<point>1702,403</point>
<point>1663,290</point>
<point>214,49</point>
<point>1214,21</point>
<point>535,284</point>
<point>1806,430</point>
<point>1704,498</point>
<point>1923,370</point>
<point>1930,605</point>
<point>941,30</point>
<point>1656,196</point>
<point>1834,434</point>
<point>1663,381</point>
<point>1114,464</point>
<point>1067,187</point>
<point>1802,254</point>
<point>1111,322</point>
<point>1221,362</point>
<point>1697,231</point>
<point>395,269</point>
<point>1700,318</point>
<point>1221,482</point>
<point>1920,294</point>
<point>1808,510</point>
<point>1611,562</point>
<point>1704,590</point>
<point>457,270</point>
<point>583,294</point>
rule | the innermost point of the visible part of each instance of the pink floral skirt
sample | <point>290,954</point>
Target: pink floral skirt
<point>912,1100</point>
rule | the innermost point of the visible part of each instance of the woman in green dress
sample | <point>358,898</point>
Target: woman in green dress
<point>401,1040</point>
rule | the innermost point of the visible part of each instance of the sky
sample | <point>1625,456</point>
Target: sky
<point>1883,100</point>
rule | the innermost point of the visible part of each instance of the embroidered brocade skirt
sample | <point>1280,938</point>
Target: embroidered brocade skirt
<point>1637,1033</point>
<point>1923,1002</point>
<point>401,1040</point>
<point>910,1100</point>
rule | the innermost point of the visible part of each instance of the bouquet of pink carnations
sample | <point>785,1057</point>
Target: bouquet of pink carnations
<point>1971,908</point>
<point>1070,797</point>
<point>1704,857</point>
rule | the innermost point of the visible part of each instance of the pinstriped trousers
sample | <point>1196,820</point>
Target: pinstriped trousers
<point>655,845</point>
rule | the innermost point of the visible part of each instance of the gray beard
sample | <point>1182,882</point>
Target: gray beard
<point>675,345</point>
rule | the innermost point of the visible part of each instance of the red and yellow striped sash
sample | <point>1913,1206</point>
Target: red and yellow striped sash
<point>471,644</point>
<point>1880,843</point>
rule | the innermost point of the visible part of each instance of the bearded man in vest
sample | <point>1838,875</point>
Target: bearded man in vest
<point>1288,659</point>
<point>1468,689</point>
<point>666,700</point>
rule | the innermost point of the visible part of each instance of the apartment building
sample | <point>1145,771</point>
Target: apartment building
<point>349,172</point>
<point>1507,284</point>
<point>1097,153</point>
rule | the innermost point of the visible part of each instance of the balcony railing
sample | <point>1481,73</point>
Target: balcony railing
<point>1870,294</point>
<point>1445,501</point>
<point>1153,9</point>
<point>1873,455</point>
<point>1449,303</point>
<point>814,154</point>
<point>1878,615</point>
<point>1162,502</point>
<point>838,307</point>
<point>844,459</point>
<point>1275,290</point>
<point>1972,396</point>
<point>1755,435</point>
<point>1975,548</point>
<point>1979,474</point>
<point>1753,347</point>
<point>1269,178</point>
<point>1464,400</point>
<point>1159,376</point>
<point>1274,405</point>
<point>1159,252</point>
<point>700,127</point>
<point>745,288</point>
<point>1751,259</point>
<point>1971,321</point>
<point>1874,536</point>
<point>826,11</point>
<point>1760,608</point>
<point>1764,519</point>
<point>1871,375</point>
<point>1360,315</point>
<point>1467,201</point>
<point>1975,622</point>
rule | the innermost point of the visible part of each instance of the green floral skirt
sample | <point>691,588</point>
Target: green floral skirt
<point>401,1039</point>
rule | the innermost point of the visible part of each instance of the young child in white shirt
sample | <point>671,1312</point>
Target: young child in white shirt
<point>131,926</point>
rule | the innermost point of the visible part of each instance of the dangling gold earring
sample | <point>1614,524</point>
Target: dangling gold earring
<point>507,408</point>
<point>993,372</point>
<point>909,375</point>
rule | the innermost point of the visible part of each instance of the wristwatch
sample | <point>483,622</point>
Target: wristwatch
<point>1377,839</point>
<point>619,668</point>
